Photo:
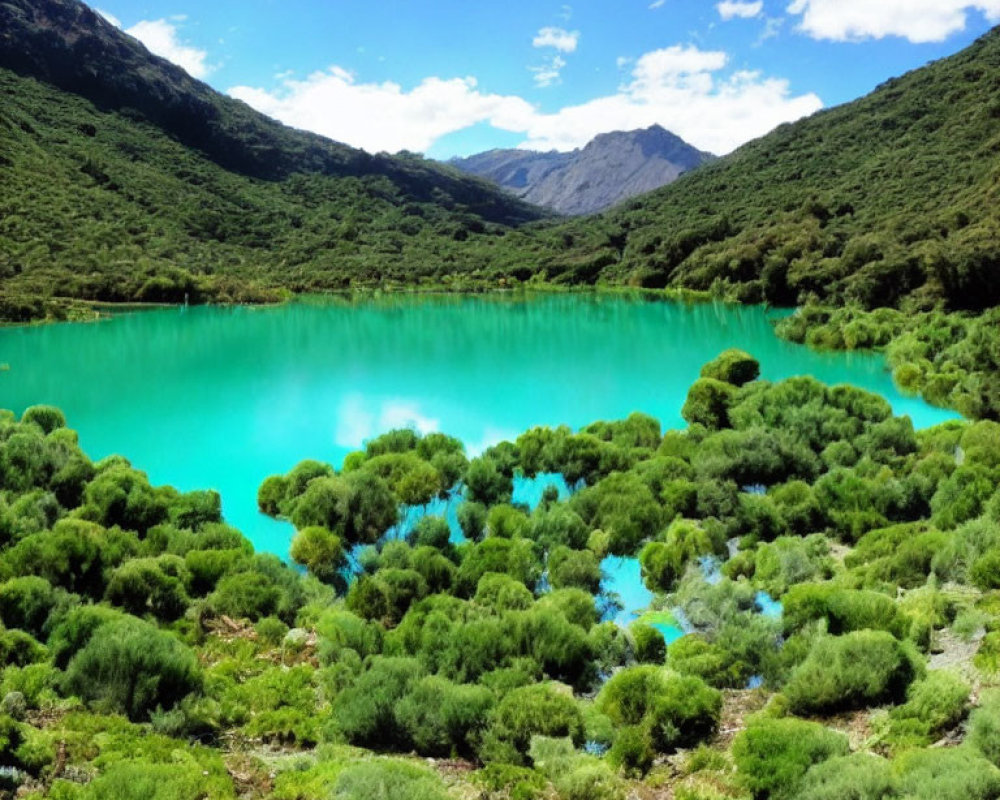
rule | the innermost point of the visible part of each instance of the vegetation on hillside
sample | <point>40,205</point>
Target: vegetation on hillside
<point>952,360</point>
<point>150,653</point>
<point>101,205</point>
<point>890,200</point>
<point>887,201</point>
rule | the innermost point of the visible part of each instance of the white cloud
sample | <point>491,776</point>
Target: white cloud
<point>679,88</point>
<point>916,20</point>
<point>657,4</point>
<point>381,116</point>
<point>562,40</point>
<point>682,88</point>
<point>772,27</point>
<point>728,9</point>
<point>550,72</point>
<point>109,17</point>
<point>161,37</point>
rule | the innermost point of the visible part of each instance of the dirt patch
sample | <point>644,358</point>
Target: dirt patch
<point>953,652</point>
<point>736,707</point>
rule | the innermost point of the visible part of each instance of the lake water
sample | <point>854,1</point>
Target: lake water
<point>223,397</point>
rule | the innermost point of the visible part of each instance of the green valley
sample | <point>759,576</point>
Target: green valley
<point>402,561</point>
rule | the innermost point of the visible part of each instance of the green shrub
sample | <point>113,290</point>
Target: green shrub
<point>150,586</point>
<point>845,610</point>
<point>791,560</point>
<point>773,755</point>
<point>502,781</point>
<point>45,417</point>
<point>381,779</point>
<point>444,719</point>
<point>632,752</point>
<point>933,705</point>
<point>693,655</point>
<point>649,645</point>
<point>130,667</point>
<point>34,683</point>
<point>859,669</point>
<point>735,367</point>
<point>708,403</point>
<point>513,557</point>
<point>358,507</point>
<point>319,551</point>
<point>622,506</point>
<point>365,714</point>
<point>676,710</point>
<point>271,631</point>
<point>502,593</point>
<point>412,480</point>
<point>485,483</point>
<point>120,495</point>
<point>664,560</point>
<point>860,776</point>
<point>984,726</point>
<point>27,603</point>
<point>589,780</point>
<point>20,649</point>
<point>272,494</point>
<point>539,710</point>
<point>245,595</point>
<point>574,568</point>
<point>142,780</point>
<point>947,774</point>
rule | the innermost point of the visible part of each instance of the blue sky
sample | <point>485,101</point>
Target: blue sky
<point>451,78</point>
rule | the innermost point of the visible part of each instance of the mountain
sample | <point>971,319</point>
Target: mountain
<point>126,179</point>
<point>892,200</point>
<point>612,168</point>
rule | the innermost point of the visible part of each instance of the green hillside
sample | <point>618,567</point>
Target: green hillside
<point>126,180</point>
<point>889,200</point>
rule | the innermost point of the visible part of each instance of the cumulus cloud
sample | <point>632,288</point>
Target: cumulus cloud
<point>381,116</point>
<point>562,40</point>
<point>729,9</point>
<point>161,36</point>
<point>917,20</point>
<point>683,88</point>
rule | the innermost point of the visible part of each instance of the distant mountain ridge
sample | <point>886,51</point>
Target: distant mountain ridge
<point>612,168</point>
<point>68,45</point>
<point>890,200</point>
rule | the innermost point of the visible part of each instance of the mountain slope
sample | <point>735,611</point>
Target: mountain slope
<point>125,179</point>
<point>612,168</point>
<point>892,199</point>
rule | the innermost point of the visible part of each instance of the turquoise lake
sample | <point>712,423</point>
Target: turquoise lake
<point>223,397</point>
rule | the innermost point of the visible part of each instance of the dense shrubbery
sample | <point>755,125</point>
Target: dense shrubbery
<point>950,359</point>
<point>124,601</point>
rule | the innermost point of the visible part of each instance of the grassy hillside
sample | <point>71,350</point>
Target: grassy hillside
<point>124,179</point>
<point>889,200</point>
